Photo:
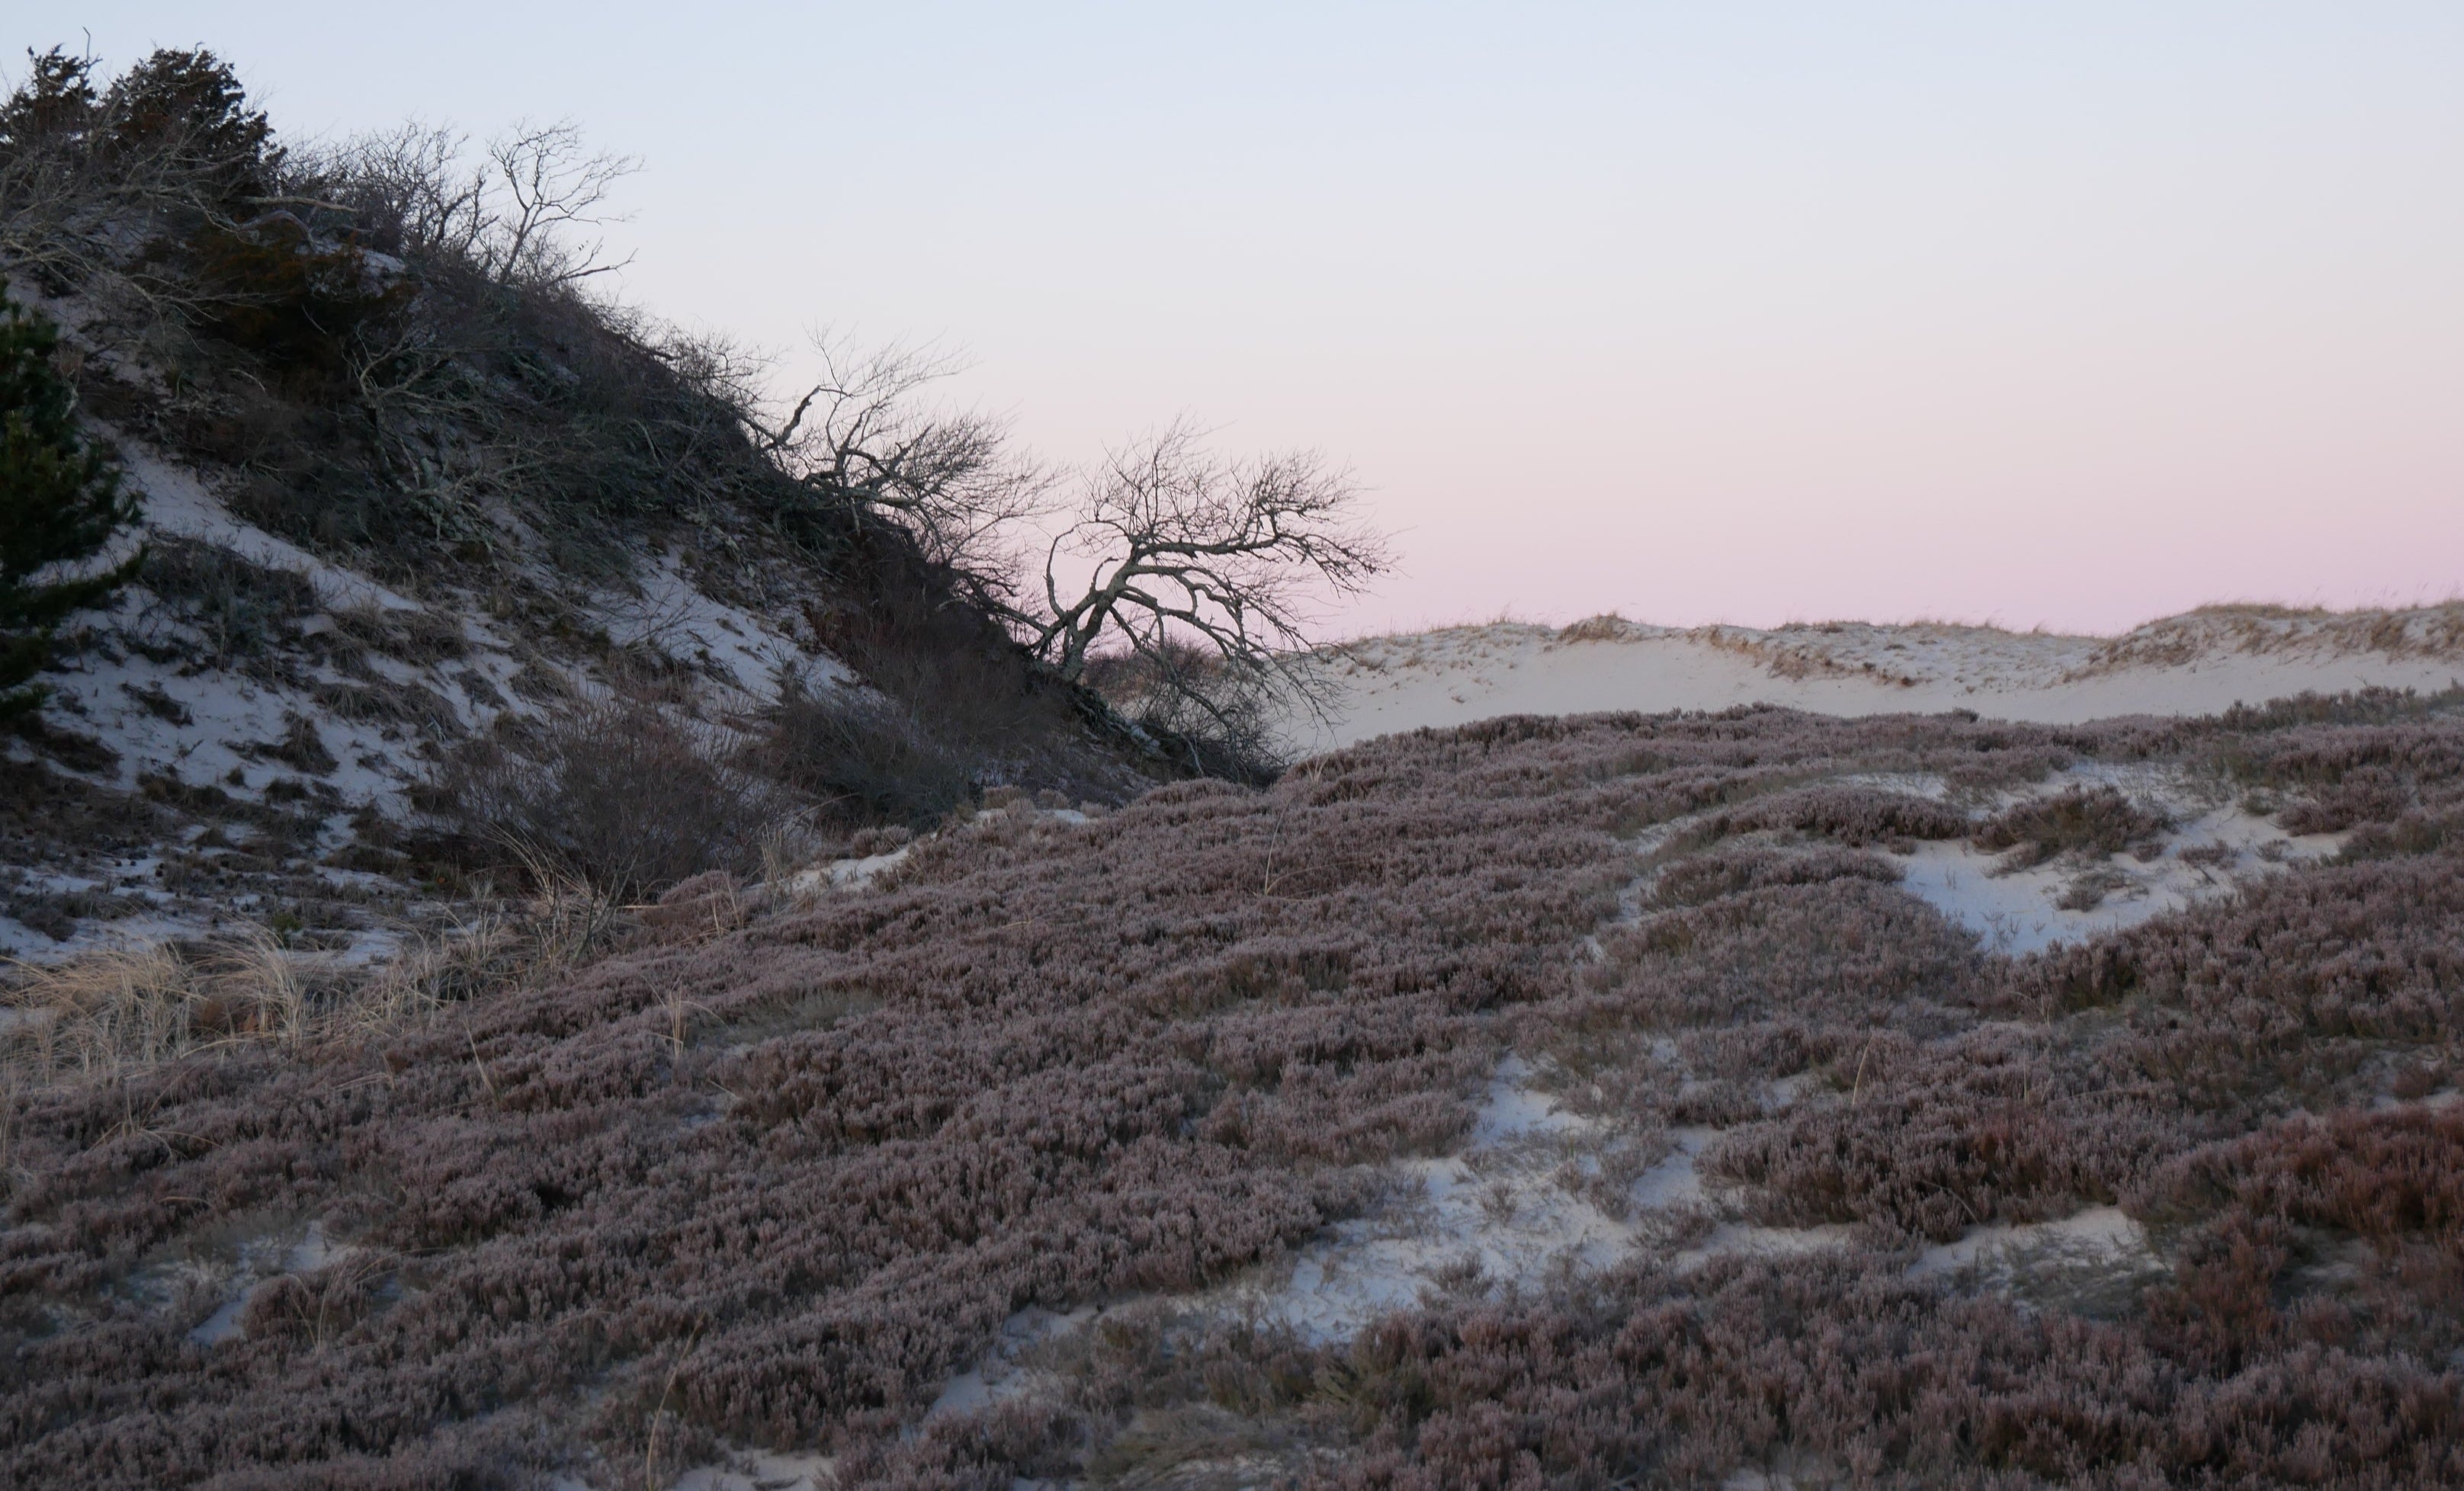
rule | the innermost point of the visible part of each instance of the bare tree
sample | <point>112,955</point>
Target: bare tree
<point>415,185</point>
<point>1203,574</point>
<point>1207,572</point>
<point>514,214</point>
<point>950,477</point>
<point>549,182</point>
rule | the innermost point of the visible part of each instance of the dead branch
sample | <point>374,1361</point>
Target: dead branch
<point>864,433</point>
<point>1193,550</point>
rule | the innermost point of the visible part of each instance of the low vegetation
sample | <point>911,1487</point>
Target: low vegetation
<point>2092,820</point>
<point>90,1020</point>
<point>770,1177</point>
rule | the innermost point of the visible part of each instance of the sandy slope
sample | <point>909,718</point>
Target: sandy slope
<point>169,707</point>
<point>2194,664</point>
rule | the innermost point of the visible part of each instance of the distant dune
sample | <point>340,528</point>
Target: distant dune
<point>2193,664</point>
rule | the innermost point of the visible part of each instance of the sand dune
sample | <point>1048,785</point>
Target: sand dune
<point>2194,664</point>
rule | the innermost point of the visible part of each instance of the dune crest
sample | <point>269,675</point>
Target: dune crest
<point>2193,664</point>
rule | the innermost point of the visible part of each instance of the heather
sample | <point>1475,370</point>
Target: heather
<point>765,1172</point>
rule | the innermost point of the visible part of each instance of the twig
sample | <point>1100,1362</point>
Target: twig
<point>651,1452</point>
<point>479,1066</point>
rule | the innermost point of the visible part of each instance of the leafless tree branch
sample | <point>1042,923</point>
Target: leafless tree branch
<point>550,181</point>
<point>950,477</point>
<point>1199,557</point>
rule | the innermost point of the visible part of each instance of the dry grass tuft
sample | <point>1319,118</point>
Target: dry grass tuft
<point>102,1016</point>
<point>102,1012</point>
<point>1608,627</point>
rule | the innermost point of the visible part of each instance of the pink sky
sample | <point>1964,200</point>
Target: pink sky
<point>2078,315</point>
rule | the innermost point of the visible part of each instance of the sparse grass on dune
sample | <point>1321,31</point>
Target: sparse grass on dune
<point>773,1184</point>
<point>2434,632</point>
<point>1801,649</point>
<point>103,1016</point>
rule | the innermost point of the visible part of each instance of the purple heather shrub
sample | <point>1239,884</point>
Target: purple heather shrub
<point>2093,821</point>
<point>772,1181</point>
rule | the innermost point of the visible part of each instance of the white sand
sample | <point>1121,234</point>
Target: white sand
<point>2019,911</point>
<point>1499,1204</point>
<point>2196,663</point>
<point>762,1470</point>
<point>2098,1234</point>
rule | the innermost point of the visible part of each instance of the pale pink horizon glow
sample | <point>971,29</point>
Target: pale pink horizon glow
<point>1748,313</point>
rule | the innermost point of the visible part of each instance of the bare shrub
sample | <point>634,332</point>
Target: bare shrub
<point>1196,554</point>
<point>949,477</point>
<point>868,758</point>
<point>1210,718</point>
<point>383,336</point>
<point>619,792</point>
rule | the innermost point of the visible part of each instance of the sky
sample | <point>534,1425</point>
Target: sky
<point>2071,316</point>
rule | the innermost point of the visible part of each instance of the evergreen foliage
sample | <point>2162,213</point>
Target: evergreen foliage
<point>191,103</point>
<point>57,99</point>
<point>60,502</point>
<point>180,113</point>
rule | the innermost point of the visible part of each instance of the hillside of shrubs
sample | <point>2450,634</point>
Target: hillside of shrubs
<point>768,1173</point>
<point>450,566</point>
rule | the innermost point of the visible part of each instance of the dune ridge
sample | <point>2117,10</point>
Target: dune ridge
<point>2197,662</point>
